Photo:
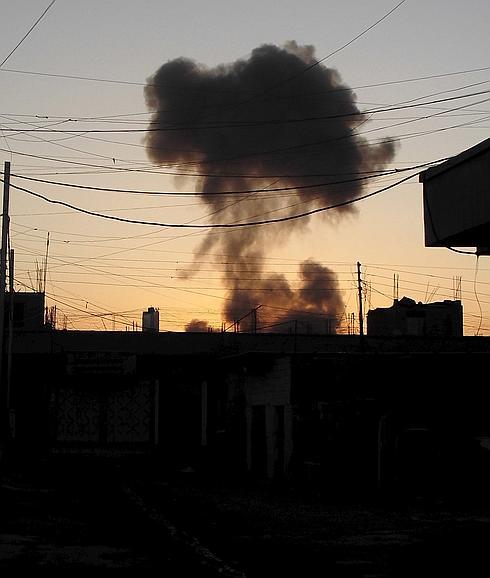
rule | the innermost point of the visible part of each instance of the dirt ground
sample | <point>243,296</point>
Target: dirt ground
<point>127,518</point>
<point>266,530</point>
<point>77,517</point>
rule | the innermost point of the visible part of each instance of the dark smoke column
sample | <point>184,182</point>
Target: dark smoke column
<point>264,123</point>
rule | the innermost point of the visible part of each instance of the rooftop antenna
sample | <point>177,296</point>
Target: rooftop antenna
<point>45,265</point>
<point>39,278</point>
<point>457,288</point>
<point>433,293</point>
<point>368,295</point>
<point>30,279</point>
<point>359,288</point>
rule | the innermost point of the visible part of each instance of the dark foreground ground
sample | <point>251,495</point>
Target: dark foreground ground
<point>89,515</point>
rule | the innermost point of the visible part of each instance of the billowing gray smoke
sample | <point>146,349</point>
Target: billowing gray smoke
<point>275,120</point>
<point>197,326</point>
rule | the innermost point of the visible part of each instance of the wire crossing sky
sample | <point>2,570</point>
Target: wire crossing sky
<point>93,110</point>
<point>26,34</point>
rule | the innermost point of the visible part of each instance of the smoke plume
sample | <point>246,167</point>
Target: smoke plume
<point>278,119</point>
<point>198,326</point>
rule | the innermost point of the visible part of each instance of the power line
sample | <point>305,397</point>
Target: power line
<point>243,192</point>
<point>317,62</point>
<point>213,225</point>
<point>250,124</point>
<point>202,161</point>
<point>375,173</point>
<point>11,119</point>
<point>27,33</point>
<point>138,84</point>
<point>365,31</point>
<point>86,313</point>
<point>263,274</point>
<point>186,290</point>
<point>195,292</point>
<point>362,33</point>
<point>282,261</point>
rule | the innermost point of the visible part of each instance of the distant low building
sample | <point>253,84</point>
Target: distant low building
<point>407,317</point>
<point>28,311</point>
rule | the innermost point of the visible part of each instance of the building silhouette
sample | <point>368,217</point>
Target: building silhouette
<point>407,317</point>
<point>151,320</point>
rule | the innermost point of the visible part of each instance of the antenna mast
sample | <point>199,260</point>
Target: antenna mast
<point>457,288</point>
<point>45,265</point>
<point>359,288</point>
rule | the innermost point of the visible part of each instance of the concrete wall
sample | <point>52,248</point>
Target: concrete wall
<point>272,391</point>
<point>28,311</point>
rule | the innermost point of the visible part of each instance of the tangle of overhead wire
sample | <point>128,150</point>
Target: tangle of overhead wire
<point>213,225</point>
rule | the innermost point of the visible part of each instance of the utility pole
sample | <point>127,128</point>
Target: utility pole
<point>3,266</point>
<point>254,318</point>
<point>10,409</point>
<point>359,288</point>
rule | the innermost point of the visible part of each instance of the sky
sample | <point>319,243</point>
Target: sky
<point>74,110</point>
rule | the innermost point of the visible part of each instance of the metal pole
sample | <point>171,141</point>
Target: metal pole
<point>3,266</point>
<point>10,409</point>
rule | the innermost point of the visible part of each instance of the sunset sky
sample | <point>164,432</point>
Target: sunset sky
<point>73,111</point>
